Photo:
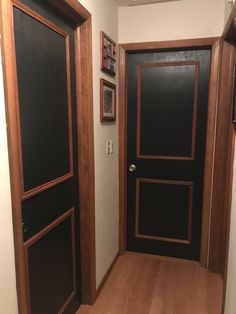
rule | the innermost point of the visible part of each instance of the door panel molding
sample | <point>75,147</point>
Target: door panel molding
<point>28,244</point>
<point>137,210</point>
<point>22,7</point>
<point>38,189</point>
<point>73,10</point>
<point>195,105</point>
<point>214,45</point>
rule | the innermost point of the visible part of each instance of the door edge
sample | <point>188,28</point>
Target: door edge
<point>83,55</point>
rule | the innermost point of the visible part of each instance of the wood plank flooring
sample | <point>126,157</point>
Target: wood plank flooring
<point>146,284</point>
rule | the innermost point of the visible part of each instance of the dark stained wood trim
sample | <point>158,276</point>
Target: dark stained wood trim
<point>214,45</point>
<point>228,202</point>
<point>172,240</point>
<point>78,8</point>
<point>224,123</point>
<point>166,64</point>
<point>166,239</point>
<point>62,310</point>
<point>19,5</point>
<point>229,35</point>
<point>138,131</point>
<point>195,105</point>
<point>172,44</point>
<point>122,149</point>
<point>107,275</point>
<point>18,135</point>
<point>69,105</point>
<point>164,157</point>
<point>210,151</point>
<point>86,160</point>
<point>78,14</point>
<point>190,216</point>
<point>13,145</point>
<point>28,194</point>
<point>47,185</point>
<point>195,109</point>
<point>52,225</point>
<point>39,235</point>
<point>72,9</point>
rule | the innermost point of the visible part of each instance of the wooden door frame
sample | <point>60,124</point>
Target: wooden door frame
<point>81,18</point>
<point>229,37</point>
<point>215,45</point>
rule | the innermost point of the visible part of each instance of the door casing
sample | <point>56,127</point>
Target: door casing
<point>215,45</point>
<point>227,89</point>
<point>81,18</point>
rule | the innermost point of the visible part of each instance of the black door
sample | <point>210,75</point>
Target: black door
<point>45,66</point>
<point>167,113</point>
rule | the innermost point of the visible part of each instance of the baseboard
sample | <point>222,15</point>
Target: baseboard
<point>106,275</point>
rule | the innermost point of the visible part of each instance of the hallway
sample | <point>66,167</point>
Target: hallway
<point>145,284</point>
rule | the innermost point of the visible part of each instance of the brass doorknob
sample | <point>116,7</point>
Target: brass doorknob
<point>132,168</point>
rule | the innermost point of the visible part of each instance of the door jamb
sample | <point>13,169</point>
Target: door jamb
<point>84,102</point>
<point>215,45</point>
<point>229,36</point>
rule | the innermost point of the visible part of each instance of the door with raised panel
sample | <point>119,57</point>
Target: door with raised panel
<point>45,68</point>
<point>167,99</point>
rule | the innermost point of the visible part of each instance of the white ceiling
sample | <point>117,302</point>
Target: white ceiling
<point>139,2</point>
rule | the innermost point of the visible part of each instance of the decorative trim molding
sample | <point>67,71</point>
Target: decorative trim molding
<point>159,238</point>
<point>38,236</point>
<point>195,105</point>
<point>29,193</point>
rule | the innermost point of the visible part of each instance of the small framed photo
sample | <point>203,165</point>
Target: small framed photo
<point>108,54</point>
<point>107,101</point>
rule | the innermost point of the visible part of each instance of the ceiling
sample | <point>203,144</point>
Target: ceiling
<point>139,2</point>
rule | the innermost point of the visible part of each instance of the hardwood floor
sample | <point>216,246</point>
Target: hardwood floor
<point>146,284</point>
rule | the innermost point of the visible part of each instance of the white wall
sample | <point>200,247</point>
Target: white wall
<point>171,20</point>
<point>8,299</point>
<point>104,18</point>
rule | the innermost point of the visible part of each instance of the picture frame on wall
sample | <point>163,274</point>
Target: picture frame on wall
<point>108,54</point>
<point>107,101</point>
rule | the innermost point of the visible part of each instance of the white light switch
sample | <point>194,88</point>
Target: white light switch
<point>109,147</point>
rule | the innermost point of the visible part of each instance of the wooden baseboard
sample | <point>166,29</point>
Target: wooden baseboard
<point>106,275</point>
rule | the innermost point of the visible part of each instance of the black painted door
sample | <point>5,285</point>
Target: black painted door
<point>166,136</point>
<point>45,66</point>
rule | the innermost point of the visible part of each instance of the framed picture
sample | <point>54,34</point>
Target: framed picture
<point>107,101</point>
<point>108,54</point>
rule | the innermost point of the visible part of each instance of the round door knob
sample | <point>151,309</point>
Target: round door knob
<point>132,168</point>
